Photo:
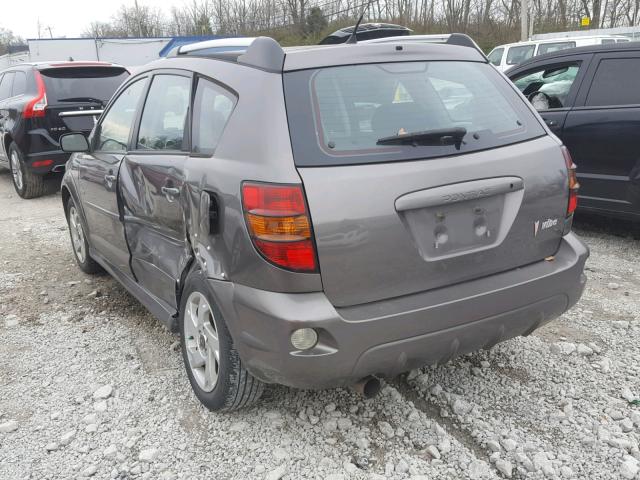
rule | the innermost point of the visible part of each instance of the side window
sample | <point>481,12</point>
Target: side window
<point>115,128</point>
<point>548,87</point>
<point>615,83</point>
<point>19,84</point>
<point>517,55</point>
<point>5,85</point>
<point>608,41</point>
<point>165,113</point>
<point>212,108</point>
<point>495,57</point>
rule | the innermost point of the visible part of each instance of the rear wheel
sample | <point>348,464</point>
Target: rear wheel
<point>79,241</point>
<point>26,183</point>
<point>213,365</point>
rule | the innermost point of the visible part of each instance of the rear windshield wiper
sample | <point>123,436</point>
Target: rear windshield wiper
<point>443,136</point>
<point>82,99</point>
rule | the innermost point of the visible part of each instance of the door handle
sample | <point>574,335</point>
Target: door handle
<point>550,123</point>
<point>170,192</point>
<point>109,181</point>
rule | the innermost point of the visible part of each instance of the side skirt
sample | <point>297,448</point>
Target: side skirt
<point>158,308</point>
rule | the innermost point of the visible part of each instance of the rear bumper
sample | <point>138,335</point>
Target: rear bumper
<point>388,337</point>
<point>57,164</point>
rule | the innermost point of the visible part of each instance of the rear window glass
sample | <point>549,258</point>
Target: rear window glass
<point>554,47</point>
<point>517,55</point>
<point>339,115</point>
<point>93,85</point>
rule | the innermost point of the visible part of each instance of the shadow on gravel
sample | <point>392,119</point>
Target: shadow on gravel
<point>599,224</point>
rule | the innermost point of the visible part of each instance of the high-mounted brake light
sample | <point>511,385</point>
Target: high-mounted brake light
<point>35,108</point>
<point>279,225</point>
<point>574,186</point>
<point>79,64</point>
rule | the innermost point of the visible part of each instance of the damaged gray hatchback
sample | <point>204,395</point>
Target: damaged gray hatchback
<point>326,216</point>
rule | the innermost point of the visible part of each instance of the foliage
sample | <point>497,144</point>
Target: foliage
<point>489,22</point>
<point>315,21</point>
<point>8,39</point>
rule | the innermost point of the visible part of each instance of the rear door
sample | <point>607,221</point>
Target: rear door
<point>603,131</point>
<point>395,219</point>
<point>74,92</point>
<point>152,187</point>
<point>552,86</point>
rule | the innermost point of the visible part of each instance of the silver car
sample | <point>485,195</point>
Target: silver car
<point>326,216</point>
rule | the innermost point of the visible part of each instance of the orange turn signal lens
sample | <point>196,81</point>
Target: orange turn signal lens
<point>283,229</point>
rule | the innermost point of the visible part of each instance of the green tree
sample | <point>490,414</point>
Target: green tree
<point>315,21</point>
<point>7,39</point>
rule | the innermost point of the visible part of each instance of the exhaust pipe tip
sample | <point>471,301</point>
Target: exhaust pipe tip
<point>368,387</point>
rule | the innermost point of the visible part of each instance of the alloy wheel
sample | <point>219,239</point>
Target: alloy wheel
<point>202,341</point>
<point>16,171</point>
<point>77,234</point>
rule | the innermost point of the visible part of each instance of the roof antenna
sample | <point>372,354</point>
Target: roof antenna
<point>353,38</point>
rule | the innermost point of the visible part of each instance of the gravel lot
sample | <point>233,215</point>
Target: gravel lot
<point>92,386</point>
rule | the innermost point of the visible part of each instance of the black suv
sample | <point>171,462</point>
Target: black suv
<point>38,103</point>
<point>589,97</point>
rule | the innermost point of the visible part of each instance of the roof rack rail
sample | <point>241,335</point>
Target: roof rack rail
<point>264,53</point>
<point>464,40</point>
<point>459,39</point>
<point>260,52</point>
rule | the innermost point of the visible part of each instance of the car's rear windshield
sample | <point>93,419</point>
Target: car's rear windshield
<point>338,115</point>
<point>82,84</point>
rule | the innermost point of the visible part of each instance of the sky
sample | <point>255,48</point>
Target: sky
<point>67,18</point>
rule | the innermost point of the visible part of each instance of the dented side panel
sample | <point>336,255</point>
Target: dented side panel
<point>156,208</point>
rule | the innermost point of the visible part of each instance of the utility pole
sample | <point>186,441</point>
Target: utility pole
<point>524,24</point>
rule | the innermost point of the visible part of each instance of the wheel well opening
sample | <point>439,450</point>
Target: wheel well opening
<point>65,197</point>
<point>7,143</point>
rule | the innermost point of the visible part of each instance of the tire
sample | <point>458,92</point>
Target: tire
<point>202,327</point>
<point>26,183</point>
<point>79,243</point>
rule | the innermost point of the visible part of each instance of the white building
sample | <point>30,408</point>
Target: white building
<point>124,51</point>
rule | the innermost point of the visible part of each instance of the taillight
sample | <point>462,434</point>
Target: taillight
<point>574,186</point>
<point>279,225</point>
<point>42,163</point>
<point>35,108</point>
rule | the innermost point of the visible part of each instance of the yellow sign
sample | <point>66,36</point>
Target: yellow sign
<point>585,21</point>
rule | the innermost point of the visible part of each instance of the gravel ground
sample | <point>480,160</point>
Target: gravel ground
<point>92,386</point>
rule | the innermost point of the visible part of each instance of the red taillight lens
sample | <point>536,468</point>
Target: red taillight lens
<point>279,200</point>
<point>42,163</point>
<point>279,225</point>
<point>574,186</point>
<point>36,107</point>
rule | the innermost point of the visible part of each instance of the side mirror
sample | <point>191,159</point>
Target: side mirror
<point>74,142</point>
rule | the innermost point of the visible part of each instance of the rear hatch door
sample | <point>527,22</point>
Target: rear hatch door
<point>391,220</point>
<point>75,92</point>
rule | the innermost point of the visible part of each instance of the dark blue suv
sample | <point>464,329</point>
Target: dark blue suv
<point>38,103</point>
